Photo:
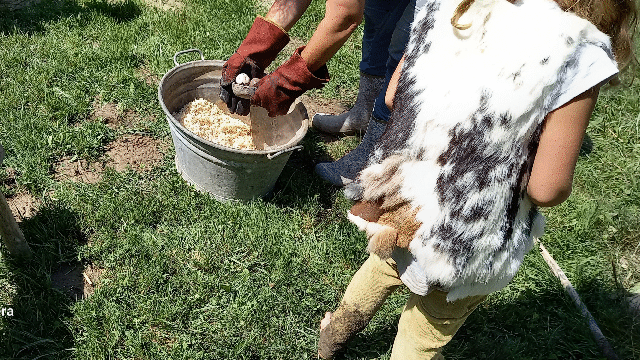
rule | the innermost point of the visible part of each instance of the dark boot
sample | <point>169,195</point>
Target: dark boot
<point>344,170</point>
<point>356,119</point>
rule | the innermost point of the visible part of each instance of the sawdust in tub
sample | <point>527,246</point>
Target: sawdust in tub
<point>205,119</point>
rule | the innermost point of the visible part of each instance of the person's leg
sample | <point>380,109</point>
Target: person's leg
<point>370,286</point>
<point>380,19</point>
<point>428,323</point>
<point>344,170</point>
<point>397,46</point>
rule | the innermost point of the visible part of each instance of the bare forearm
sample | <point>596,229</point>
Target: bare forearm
<point>552,173</point>
<point>393,85</point>
<point>342,17</point>
<point>286,13</point>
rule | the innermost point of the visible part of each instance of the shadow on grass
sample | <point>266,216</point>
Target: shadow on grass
<point>33,19</point>
<point>545,325</point>
<point>298,183</point>
<point>587,145</point>
<point>39,325</point>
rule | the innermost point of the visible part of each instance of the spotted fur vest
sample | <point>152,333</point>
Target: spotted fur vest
<point>451,171</point>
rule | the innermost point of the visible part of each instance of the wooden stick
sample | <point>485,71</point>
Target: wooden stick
<point>10,232</point>
<point>604,345</point>
<point>86,277</point>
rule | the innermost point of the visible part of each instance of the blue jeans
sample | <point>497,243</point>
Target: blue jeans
<point>386,32</point>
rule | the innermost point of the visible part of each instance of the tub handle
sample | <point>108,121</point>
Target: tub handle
<point>175,57</point>
<point>293,148</point>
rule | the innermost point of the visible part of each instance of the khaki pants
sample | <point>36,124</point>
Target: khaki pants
<point>427,322</point>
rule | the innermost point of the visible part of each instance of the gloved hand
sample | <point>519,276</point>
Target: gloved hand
<point>278,90</point>
<point>259,48</point>
<point>387,225</point>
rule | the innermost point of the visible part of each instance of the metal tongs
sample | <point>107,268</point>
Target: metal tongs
<point>271,132</point>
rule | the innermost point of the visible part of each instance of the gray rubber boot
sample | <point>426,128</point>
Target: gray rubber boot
<point>344,170</point>
<point>356,119</point>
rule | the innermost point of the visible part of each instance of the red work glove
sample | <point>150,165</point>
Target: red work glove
<point>261,46</point>
<point>278,90</point>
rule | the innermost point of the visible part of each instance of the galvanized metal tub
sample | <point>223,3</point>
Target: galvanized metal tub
<point>226,173</point>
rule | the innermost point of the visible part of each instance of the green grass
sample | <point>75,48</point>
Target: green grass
<point>188,277</point>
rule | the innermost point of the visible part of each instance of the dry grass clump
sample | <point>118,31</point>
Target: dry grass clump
<point>208,121</point>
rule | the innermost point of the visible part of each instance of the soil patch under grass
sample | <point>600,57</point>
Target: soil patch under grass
<point>22,204</point>
<point>109,114</point>
<point>136,152</point>
<point>75,280</point>
<point>148,77</point>
<point>166,5</point>
<point>325,106</point>
<point>77,170</point>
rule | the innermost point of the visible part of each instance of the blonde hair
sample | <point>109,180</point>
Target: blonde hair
<point>616,18</point>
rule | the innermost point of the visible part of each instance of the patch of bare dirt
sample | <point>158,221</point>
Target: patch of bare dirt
<point>137,152</point>
<point>78,170</point>
<point>76,281</point>
<point>326,106</point>
<point>141,153</point>
<point>321,105</point>
<point>107,113</point>
<point>22,204</point>
<point>113,117</point>
<point>148,77</point>
<point>166,5</point>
